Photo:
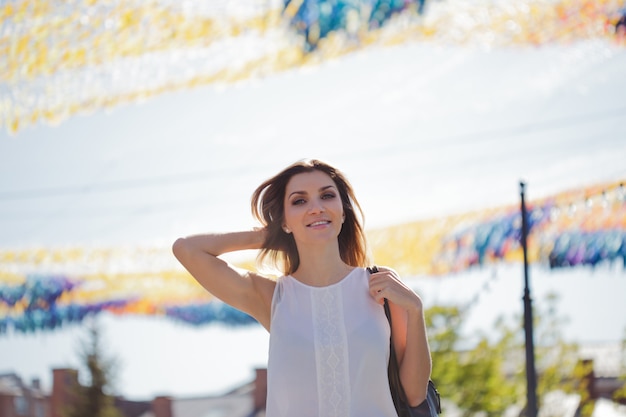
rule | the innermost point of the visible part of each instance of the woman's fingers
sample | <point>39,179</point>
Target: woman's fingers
<point>378,294</point>
<point>387,284</point>
<point>381,284</point>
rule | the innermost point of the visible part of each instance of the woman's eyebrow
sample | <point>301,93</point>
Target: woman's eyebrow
<point>304,192</point>
<point>297,192</point>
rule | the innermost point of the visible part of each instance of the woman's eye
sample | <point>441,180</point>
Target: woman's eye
<point>297,201</point>
<point>328,196</point>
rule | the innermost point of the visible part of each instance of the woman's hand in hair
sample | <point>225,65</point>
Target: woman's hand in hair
<point>262,235</point>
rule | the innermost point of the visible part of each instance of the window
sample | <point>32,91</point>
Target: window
<point>20,405</point>
<point>40,410</point>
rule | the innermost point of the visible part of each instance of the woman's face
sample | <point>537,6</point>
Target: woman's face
<point>313,207</point>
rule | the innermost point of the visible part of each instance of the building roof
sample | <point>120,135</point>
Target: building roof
<point>607,408</point>
<point>607,358</point>
<point>237,403</point>
<point>132,408</point>
<point>10,384</point>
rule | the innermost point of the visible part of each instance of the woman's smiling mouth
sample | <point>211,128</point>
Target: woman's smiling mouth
<point>319,223</point>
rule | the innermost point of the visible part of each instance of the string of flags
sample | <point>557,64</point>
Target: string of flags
<point>59,59</point>
<point>46,289</point>
<point>576,228</point>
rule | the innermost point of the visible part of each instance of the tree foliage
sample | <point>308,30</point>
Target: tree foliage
<point>490,376</point>
<point>93,399</point>
<point>620,394</point>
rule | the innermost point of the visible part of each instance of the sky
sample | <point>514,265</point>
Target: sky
<point>422,130</point>
<point>461,126</point>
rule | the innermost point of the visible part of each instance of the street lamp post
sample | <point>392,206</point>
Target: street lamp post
<point>531,377</point>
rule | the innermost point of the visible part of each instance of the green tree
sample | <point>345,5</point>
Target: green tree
<point>475,379</point>
<point>620,394</point>
<point>490,376</point>
<point>558,365</point>
<point>94,399</point>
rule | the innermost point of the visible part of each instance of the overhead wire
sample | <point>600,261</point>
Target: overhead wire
<point>174,179</point>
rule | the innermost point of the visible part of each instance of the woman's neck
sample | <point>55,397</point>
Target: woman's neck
<point>321,267</point>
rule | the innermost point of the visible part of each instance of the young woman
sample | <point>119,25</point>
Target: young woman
<point>329,337</point>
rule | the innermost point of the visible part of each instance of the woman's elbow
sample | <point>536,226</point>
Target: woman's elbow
<point>416,398</point>
<point>418,393</point>
<point>179,247</point>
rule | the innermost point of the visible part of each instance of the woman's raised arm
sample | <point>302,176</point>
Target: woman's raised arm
<point>242,289</point>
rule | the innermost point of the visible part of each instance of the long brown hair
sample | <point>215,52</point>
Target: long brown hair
<point>280,247</point>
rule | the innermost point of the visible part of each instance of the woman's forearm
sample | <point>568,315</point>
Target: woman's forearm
<point>416,364</point>
<point>219,243</point>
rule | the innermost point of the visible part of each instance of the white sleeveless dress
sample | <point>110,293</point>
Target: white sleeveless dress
<point>328,351</point>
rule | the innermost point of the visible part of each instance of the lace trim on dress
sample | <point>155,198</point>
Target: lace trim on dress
<point>331,352</point>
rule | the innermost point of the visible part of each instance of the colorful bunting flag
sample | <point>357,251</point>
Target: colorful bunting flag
<point>58,59</point>
<point>582,227</point>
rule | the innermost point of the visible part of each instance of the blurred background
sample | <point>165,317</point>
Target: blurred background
<point>127,124</point>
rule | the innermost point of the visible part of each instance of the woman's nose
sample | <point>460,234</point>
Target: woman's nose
<point>316,206</point>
